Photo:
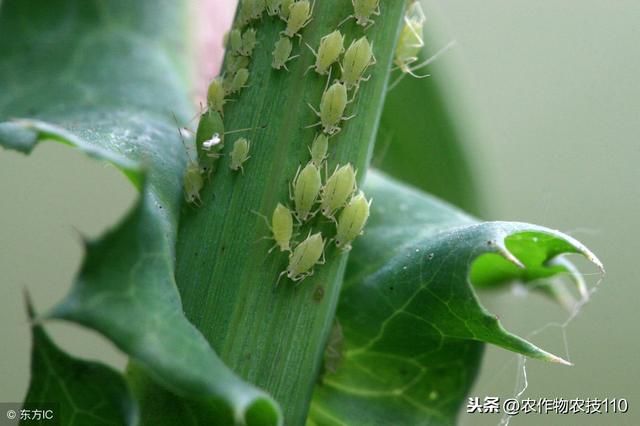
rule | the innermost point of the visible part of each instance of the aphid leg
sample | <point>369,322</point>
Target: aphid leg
<point>345,20</point>
<point>313,109</point>
<point>279,277</point>
<point>317,113</point>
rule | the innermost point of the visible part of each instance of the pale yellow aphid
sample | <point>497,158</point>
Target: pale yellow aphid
<point>281,53</point>
<point>332,105</point>
<point>251,9</point>
<point>300,14</point>
<point>411,40</point>
<point>319,149</point>
<point>357,59</point>
<point>306,187</point>
<point>329,51</point>
<point>193,183</point>
<point>193,179</point>
<point>273,7</point>
<point>235,62</point>
<point>238,82</point>
<point>281,227</point>
<point>352,221</point>
<point>248,42</point>
<point>258,8</point>
<point>239,154</point>
<point>337,190</point>
<point>363,10</point>
<point>235,41</point>
<point>216,94</point>
<point>305,256</point>
<point>246,12</point>
<point>284,9</point>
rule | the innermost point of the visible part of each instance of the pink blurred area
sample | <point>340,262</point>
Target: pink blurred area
<point>211,20</point>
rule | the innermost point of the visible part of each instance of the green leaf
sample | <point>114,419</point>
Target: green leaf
<point>412,324</point>
<point>425,130</point>
<point>84,392</point>
<point>103,77</point>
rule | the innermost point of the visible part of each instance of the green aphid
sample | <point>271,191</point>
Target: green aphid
<point>273,7</point>
<point>410,42</point>
<point>305,256</point>
<point>332,105</point>
<point>281,227</point>
<point>352,221</point>
<point>258,7</point>
<point>306,187</point>
<point>193,183</point>
<point>239,154</point>
<point>319,149</point>
<point>237,82</point>
<point>233,63</point>
<point>235,41</point>
<point>248,42</point>
<point>216,95</point>
<point>285,8</point>
<point>209,140</point>
<point>329,51</point>
<point>357,59</point>
<point>300,14</point>
<point>337,190</point>
<point>363,10</point>
<point>192,179</point>
<point>281,53</point>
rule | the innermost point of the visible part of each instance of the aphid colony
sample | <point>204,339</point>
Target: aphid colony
<point>310,196</point>
<point>333,201</point>
<point>336,198</point>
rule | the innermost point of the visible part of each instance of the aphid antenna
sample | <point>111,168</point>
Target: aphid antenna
<point>184,144</point>
<point>423,64</point>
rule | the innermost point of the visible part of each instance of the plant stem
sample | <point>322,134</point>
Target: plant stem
<point>274,337</point>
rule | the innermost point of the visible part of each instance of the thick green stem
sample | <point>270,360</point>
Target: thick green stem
<point>274,337</point>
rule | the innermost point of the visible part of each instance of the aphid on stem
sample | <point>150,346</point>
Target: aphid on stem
<point>258,7</point>
<point>357,59</point>
<point>337,190</point>
<point>233,63</point>
<point>281,53</point>
<point>248,42</point>
<point>285,9</point>
<point>305,256</point>
<point>281,227</point>
<point>318,149</point>
<point>215,95</point>
<point>300,14</point>
<point>237,82</point>
<point>332,105</point>
<point>425,63</point>
<point>192,179</point>
<point>240,154</point>
<point>329,51</point>
<point>273,7</point>
<point>352,221</point>
<point>210,140</point>
<point>235,41</point>
<point>306,186</point>
<point>363,10</point>
<point>411,42</point>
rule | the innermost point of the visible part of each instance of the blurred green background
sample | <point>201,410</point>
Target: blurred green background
<point>555,99</point>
